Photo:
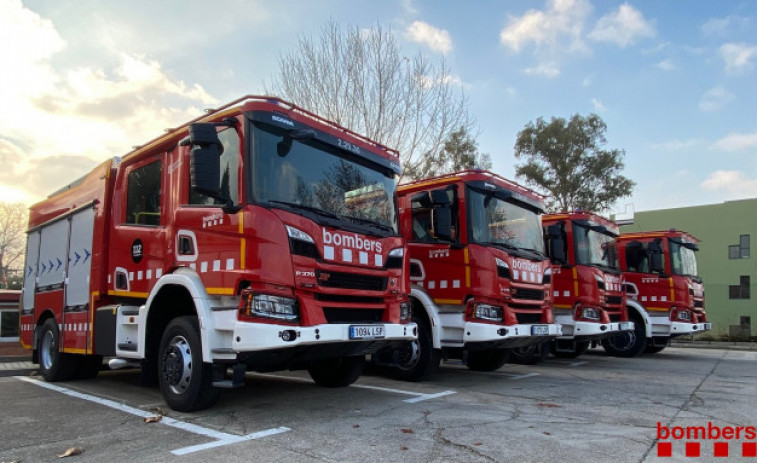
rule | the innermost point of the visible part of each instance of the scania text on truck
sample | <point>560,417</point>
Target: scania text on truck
<point>588,294</point>
<point>480,281</point>
<point>665,295</point>
<point>257,237</point>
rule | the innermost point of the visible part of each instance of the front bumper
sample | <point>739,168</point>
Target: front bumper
<point>258,337</point>
<point>679,328</point>
<point>590,331</point>
<point>488,336</point>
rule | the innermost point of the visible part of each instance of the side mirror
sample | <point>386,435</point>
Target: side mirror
<point>655,257</point>
<point>205,159</point>
<point>556,248</point>
<point>441,220</point>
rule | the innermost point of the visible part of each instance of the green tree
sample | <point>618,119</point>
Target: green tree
<point>459,152</point>
<point>13,218</point>
<point>565,160</point>
<point>360,79</point>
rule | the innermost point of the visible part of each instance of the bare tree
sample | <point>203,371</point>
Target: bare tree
<point>361,80</point>
<point>13,218</point>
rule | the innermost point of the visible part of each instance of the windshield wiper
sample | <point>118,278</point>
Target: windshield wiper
<point>364,221</point>
<point>307,208</point>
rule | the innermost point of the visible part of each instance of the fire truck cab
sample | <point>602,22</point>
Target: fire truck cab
<point>665,295</point>
<point>259,236</point>
<point>480,281</point>
<point>589,300</point>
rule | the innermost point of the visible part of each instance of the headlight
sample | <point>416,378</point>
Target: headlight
<point>487,312</point>
<point>297,234</point>
<point>547,276</point>
<point>406,313</point>
<point>587,313</point>
<point>268,306</point>
<point>394,258</point>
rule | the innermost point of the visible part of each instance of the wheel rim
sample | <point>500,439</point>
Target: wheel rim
<point>623,342</point>
<point>47,350</point>
<point>409,354</point>
<point>177,364</point>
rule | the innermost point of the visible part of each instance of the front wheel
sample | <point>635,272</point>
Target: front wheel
<point>184,379</point>
<point>529,355</point>
<point>629,343</point>
<point>488,360</point>
<point>53,364</point>
<point>417,359</point>
<point>336,372</point>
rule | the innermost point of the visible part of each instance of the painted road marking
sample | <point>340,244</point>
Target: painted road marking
<point>222,438</point>
<point>420,396</point>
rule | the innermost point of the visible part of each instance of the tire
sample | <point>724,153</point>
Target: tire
<point>628,344</point>
<point>336,372</point>
<point>89,366</point>
<point>529,355</point>
<point>488,360</point>
<point>53,364</point>
<point>185,381</point>
<point>417,359</point>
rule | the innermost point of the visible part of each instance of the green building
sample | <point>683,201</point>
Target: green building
<point>724,258</point>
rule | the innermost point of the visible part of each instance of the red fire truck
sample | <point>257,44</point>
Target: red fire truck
<point>665,295</point>
<point>480,281</point>
<point>588,294</point>
<point>258,237</point>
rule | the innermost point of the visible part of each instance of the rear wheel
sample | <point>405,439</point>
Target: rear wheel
<point>336,372</point>
<point>488,360</point>
<point>417,359</point>
<point>529,355</point>
<point>53,364</point>
<point>184,379</point>
<point>629,343</point>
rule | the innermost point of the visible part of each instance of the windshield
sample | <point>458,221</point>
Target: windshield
<point>497,221</point>
<point>315,176</point>
<point>683,260</point>
<point>593,247</point>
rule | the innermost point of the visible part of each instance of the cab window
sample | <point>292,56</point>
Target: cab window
<point>143,195</point>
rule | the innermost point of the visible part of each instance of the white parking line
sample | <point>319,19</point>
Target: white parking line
<point>222,438</point>
<point>420,396</point>
<point>517,377</point>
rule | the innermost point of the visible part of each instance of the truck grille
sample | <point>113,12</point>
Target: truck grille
<point>339,315</point>
<point>528,318</point>
<point>350,281</point>
<point>614,317</point>
<point>614,300</point>
<point>527,293</point>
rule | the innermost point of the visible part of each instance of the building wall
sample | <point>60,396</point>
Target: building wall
<point>716,226</point>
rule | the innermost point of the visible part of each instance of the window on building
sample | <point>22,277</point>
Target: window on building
<point>741,250</point>
<point>9,325</point>
<point>740,291</point>
<point>143,195</point>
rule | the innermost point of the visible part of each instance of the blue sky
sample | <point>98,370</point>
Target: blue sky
<point>85,80</point>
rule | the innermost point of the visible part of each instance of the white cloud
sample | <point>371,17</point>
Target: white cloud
<point>715,98</point>
<point>598,105</point>
<point>732,182</point>
<point>737,56</point>
<point>676,145</point>
<point>560,23</point>
<point>736,142</point>
<point>66,120</point>
<point>622,27</point>
<point>434,38</point>
<point>666,65</point>
<point>721,27</point>
<point>544,69</point>
<point>586,82</point>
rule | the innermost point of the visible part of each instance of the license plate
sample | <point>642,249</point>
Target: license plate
<point>366,332</point>
<point>624,326</point>
<point>539,330</point>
